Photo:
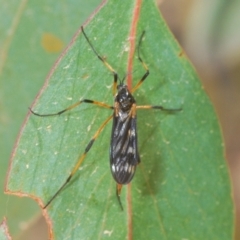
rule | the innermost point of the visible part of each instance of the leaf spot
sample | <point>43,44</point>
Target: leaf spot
<point>24,151</point>
<point>107,232</point>
<point>51,43</point>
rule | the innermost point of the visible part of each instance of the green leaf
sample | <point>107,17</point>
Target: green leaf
<point>181,189</point>
<point>25,61</point>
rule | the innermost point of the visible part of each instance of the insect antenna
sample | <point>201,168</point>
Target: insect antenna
<point>109,67</point>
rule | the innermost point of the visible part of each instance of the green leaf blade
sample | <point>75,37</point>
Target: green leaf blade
<point>182,183</point>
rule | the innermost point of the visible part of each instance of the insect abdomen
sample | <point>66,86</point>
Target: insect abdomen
<point>123,172</point>
<point>124,156</point>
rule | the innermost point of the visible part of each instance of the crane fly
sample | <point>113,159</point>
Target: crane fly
<point>124,154</point>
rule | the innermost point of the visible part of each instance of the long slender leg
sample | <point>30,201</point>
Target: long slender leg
<point>109,67</point>
<point>80,160</point>
<point>118,193</point>
<point>101,104</point>
<point>143,64</point>
<point>158,107</point>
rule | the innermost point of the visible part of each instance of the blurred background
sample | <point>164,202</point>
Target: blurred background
<point>207,30</point>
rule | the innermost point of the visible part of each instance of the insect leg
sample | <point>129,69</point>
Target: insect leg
<point>109,67</point>
<point>143,64</point>
<point>80,160</point>
<point>118,192</point>
<point>101,104</point>
<point>158,107</point>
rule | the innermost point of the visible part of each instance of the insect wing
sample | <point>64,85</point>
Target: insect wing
<point>124,155</point>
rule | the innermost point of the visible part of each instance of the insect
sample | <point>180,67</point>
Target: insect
<point>124,155</point>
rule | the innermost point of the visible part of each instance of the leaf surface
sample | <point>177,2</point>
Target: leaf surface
<point>28,33</point>
<point>181,189</point>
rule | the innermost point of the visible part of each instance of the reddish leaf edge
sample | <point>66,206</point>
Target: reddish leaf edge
<point>4,225</point>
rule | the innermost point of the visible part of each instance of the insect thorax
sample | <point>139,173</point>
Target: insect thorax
<point>124,98</point>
